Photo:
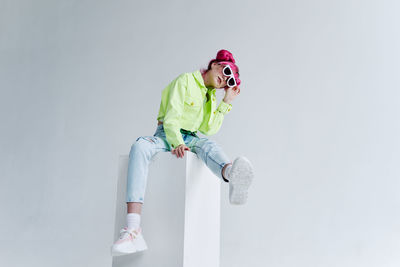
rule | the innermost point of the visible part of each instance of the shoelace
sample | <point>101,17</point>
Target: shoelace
<point>124,233</point>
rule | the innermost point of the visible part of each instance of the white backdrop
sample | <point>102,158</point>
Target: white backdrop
<point>317,116</point>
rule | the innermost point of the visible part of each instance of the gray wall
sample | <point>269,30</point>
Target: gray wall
<point>318,117</point>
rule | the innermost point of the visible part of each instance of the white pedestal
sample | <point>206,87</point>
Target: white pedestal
<point>180,214</point>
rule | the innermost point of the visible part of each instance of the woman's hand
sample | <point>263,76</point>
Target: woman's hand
<point>180,150</point>
<point>231,93</point>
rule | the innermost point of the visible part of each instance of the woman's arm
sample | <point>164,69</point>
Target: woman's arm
<point>213,119</point>
<point>174,110</point>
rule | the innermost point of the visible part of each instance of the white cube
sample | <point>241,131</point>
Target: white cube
<point>180,214</point>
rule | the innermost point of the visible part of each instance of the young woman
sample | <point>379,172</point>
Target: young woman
<point>188,105</point>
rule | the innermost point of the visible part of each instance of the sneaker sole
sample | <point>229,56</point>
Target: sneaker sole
<point>241,176</point>
<point>140,245</point>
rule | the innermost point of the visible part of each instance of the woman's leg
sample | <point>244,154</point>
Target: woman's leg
<point>159,143</point>
<point>134,207</point>
<point>223,171</point>
<point>142,152</point>
<point>240,174</point>
<point>212,155</point>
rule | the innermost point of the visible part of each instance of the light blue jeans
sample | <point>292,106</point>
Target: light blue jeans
<point>145,147</point>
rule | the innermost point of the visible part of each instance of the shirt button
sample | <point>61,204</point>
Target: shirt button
<point>214,112</point>
<point>192,103</point>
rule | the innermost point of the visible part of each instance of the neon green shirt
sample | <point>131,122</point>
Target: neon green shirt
<point>186,103</point>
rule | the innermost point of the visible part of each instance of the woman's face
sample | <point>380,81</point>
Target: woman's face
<point>217,78</point>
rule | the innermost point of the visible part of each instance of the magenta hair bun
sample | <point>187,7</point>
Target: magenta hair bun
<point>225,55</point>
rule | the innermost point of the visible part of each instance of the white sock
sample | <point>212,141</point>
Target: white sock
<point>227,171</point>
<point>133,220</point>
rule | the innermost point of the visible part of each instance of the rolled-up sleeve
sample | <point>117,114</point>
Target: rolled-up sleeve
<point>224,108</point>
<point>212,120</point>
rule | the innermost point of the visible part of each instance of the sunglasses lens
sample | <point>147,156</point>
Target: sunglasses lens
<point>227,71</point>
<point>231,82</point>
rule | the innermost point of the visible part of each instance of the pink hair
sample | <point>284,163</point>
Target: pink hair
<point>226,58</point>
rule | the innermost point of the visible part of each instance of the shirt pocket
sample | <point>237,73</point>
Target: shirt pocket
<point>192,103</point>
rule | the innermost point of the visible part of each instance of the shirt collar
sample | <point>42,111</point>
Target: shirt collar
<point>199,78</point>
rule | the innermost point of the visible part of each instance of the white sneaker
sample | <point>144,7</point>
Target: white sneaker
<point>129,241</point>
<point>240,177</point>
